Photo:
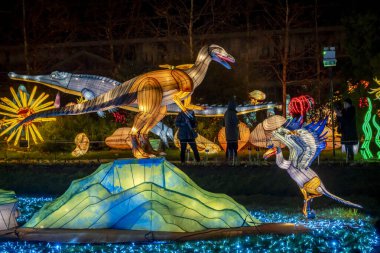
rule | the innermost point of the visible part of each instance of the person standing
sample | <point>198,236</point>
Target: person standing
<point>347,123</point>
<point>187,123</point>
<point>231,123</point>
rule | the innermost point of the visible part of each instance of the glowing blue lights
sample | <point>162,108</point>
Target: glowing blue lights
<point>350,234</point>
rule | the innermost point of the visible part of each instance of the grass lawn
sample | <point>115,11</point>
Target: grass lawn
<point>172,154</point>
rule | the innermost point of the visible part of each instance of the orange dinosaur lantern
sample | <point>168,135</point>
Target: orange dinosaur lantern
<point>150,92</point>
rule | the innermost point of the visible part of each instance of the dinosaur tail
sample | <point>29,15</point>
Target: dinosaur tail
<point>121,95</point>
<point>334,197</point>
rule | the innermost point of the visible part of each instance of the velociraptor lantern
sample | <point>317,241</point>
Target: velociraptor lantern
<point>152,92</point>
<point>304,144</point>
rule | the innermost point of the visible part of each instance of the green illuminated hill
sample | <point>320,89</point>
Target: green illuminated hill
<point>141,194</point>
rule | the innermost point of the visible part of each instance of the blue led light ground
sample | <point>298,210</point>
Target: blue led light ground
<point>346,232</point>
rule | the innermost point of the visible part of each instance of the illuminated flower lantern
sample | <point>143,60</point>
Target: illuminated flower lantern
<point>261,136</point>
<point>299,106</point>
<point>8,210</point>
<point>83,143</point>
<point>257,97</point>
<point>203,144</point>
<point>376,91</point>
<point>243,136</point>
<point>20,108</point>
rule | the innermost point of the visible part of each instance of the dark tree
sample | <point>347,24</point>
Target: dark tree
<point>363,45</point>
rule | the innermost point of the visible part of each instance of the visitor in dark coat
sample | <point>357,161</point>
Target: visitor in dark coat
<point>347,123</point>
<point>231,123</point>
<point>187,133</point>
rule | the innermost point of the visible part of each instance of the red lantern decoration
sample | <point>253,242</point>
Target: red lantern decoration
<point>299,106</point>
<point>363,102</point>
<point>119,117</point>
<point>364,83</point>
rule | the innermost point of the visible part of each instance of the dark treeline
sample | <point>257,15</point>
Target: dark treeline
<point>111,38</point>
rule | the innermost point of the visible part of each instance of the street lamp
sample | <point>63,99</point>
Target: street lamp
<point>329,61</point>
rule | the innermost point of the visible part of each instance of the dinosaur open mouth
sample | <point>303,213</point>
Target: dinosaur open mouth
<point>224,59</point>
<point>270,152</point>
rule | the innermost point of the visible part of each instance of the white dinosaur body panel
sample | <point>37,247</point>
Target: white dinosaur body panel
<point>301,176</point>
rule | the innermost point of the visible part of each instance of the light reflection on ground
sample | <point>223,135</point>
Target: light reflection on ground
<point>346,233</point>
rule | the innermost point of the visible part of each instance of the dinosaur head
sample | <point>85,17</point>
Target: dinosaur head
<point>57,80</point>
<point>218,54</point>
<point>304,142</point>
<point>282,134</point>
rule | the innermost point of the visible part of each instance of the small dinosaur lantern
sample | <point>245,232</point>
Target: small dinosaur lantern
<point>305,144</point>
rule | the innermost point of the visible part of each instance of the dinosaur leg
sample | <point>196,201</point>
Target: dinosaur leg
<point>309,191</point>
<point>160,114</point>
<point>149,97</point>
<point>305,201</point>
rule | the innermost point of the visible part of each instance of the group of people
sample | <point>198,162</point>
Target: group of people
<point>187,123</point>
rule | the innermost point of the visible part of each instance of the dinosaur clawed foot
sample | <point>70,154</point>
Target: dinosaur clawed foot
<point>139,153</point>
<point>307,211</point>
<point>137,148</point>
<point>144,141</point>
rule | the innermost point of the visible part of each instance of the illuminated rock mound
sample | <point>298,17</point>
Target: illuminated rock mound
<point>144,194</point>
<point>8,210</point>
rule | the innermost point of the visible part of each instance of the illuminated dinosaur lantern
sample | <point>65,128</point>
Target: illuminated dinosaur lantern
<point>203,144</point>
<point>305,144</point>
<point>91,86</point>
<point>152,92</point>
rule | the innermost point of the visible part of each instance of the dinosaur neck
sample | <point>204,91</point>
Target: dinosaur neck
<point>280,161</point>
<point>198,71</point>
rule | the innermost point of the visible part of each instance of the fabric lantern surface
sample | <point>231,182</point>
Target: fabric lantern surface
<point>203,144</point>
<point>146,194</point>
<point>262,137</point>
<point>120,139</point>
<point>329,140</point>
<point>8,210</point>
<point>243,136</point>
<point>83,143</point>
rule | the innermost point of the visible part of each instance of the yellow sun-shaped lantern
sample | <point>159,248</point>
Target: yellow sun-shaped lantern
<point>21,107</point>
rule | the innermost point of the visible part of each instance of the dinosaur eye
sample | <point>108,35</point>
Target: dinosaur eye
<point>58,75</point>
